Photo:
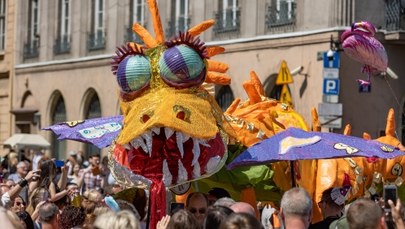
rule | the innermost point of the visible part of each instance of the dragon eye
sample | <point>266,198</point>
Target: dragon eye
<point>181,67</point>
<point>133,73</point>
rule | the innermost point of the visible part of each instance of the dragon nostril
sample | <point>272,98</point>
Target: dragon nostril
<point>145,118</point>
<point>181,115</point>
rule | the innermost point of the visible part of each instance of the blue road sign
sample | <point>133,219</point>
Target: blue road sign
<point>331,86</point>
<point>332,61</point>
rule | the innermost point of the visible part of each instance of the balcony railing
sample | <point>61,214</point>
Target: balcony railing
<point>131,36</point>
<point>96,41</point>
<point>227,21</point>
<point>62,45</point>
<point>31,49</point>
<point>282,19</point>
<point>175,26</point>
<point>393,15</point>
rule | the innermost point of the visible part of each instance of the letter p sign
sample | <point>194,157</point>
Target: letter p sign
<point>331,86</point>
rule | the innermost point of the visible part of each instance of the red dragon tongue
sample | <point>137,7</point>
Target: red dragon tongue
<point>171,156</point>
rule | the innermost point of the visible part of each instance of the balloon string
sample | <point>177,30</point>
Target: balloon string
<point>396,98</point>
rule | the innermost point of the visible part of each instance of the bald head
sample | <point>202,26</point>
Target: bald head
<point>242,207</point>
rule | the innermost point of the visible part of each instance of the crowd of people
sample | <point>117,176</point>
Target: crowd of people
<point>46,193</point>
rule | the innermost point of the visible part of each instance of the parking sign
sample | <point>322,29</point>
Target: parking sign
<point>331,86</point>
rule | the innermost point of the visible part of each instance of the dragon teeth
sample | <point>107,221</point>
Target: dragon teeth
<point>212,164</point>
<point>182,176</point>
<point>196,151</point>
<point>127,146</point>
<point>168,132</point>
<point>139,142</point>
<point>156,130</point>
<point>179,140</point>
<point>167,176</point>
<point>148,138</point>
<point>196,170</point>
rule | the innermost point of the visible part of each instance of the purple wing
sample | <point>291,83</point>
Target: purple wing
<point>99,131</point>
<point>297,144</point>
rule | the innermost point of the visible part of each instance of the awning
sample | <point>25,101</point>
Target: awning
<point>22,140</point>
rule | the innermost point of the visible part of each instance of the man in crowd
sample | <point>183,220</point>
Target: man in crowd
<point>22,170</point>
<point>197,204</point>
<point>48,216</point>
<point>93,179</point>
<point>332,206</point>
<point>296,209</point>
<point>365,214</point>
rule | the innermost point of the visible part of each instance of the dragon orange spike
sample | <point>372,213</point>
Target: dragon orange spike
<point>347,130</point>
<point>316,125</point>
<point>145,36</point>
<point>253,94</point>
<point>257,83</point>
<point>196,30</point>
<point>157,24</point>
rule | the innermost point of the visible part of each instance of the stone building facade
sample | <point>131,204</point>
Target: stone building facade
<point>63,49</point>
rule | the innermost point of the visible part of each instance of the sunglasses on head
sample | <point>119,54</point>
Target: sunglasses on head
<point>200,210</point>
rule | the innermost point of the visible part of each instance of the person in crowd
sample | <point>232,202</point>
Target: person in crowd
<point>181,219</point>
<point>25,219</point>
<point>9,182</point>
<point>10,163</point>
<point>215,216</point>
<point>71,217</point>
<point>35,160</point>
<point>8,194</point>
<point>48,216</point>
<point>90,200</point>
<point>397,213</point>
<point>241,221</point>
<point>46,186</point>
<point>365,214</point>
<point>22,170</point>
<point>332,205</point>
<point>225,201</point>
<point>217,193</point>
<point>94,179</point>
<point>197,204</point>
<point>77,177</point>
<point>18,205</point>
<point>242,207</point>
<point>8,217</point>
<point>296,208</point>
<point>120,220</point>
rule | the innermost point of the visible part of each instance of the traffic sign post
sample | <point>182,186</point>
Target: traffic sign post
<point>285,96</point>
<point>284,75</point>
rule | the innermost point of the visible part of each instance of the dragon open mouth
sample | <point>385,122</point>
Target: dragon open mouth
<point>171,156</point>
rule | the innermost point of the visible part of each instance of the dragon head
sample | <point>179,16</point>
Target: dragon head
<point>172,129</point>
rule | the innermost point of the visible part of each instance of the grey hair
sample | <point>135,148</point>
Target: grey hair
<point>225,201</point>
<point>296,202</point>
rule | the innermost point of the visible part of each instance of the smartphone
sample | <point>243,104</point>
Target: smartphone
<point>390,193</point>
<point>59,163</point>
<point>174,207</point>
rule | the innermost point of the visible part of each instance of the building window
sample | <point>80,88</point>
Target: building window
<point>62,42</point>
<point>281,13</point>
<point>227,17</point>
<point>58,115</point>
<point>96,38</point>
<point>179,17</point>
<point>2,24</point>
<point>272,90</point>
<point>393,12</point>
<point>31,48</point>
<point>136,15</point>
<point>93,111</point>
<point>224,97</point>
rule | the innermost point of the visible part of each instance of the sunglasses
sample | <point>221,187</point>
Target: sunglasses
<point>200,210</point>
<point>19,203</point>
